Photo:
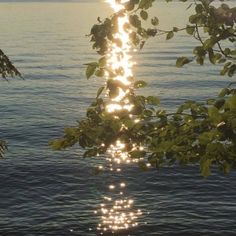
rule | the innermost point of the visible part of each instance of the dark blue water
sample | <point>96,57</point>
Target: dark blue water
<point>54,193</point>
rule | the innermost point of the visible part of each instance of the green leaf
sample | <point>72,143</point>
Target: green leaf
<point>200,60</point>
<point>142,44</point>
<point>137,154</point>
<point>175,29</point>
<point>129,6</point>
<point>145,4</point>
<point>151,32</point>
<point>193,19</point>
<point>147,113</point>
<point>207,137</point>
<point>209,43</point>
<point>210,101</point>
<point>224,92</point>
<point>190,29</point>
<point>128,122</point>
<point>199,8</point>
<point>227,51</point>
<point>170,35</point>
<point>232,102</point>
<point>56,144</point>
<point>218,57</point>
<point>232,70</point>
<point>211,56</point>
<point>199,51</point>
<point>102,62</point>
<point>134,38</point>
<point>91,68</point>
<point>226,167</point>
<point>233,52</point>
<point>143,166</point>
<point>140,84</point>
<point>144,15</point>
<point>100,73</point>
<point>219,103</point>
<point>151,100</point>
<point>224,71</point>
<point>222,60</point>
<point>134,21</point>
<point>205,165</point>
<point>189,6</point>
<point>99,92</point>
<point>181,61</point>
<point>214,114</point>
<point>155,21</point>
<point>90,153</point>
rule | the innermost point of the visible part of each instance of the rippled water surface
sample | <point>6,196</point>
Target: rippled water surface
<point>54,193</point>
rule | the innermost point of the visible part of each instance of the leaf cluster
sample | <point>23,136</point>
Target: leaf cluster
<point>3,148</point>
<point>6,67</point>
<point>196,133</point>
<point>203,133</point>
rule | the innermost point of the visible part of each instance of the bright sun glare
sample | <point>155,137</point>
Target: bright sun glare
<point>120,58</point>
<point>117,210</point>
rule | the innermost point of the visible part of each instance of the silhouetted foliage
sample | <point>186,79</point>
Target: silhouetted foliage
<point>6,69</point>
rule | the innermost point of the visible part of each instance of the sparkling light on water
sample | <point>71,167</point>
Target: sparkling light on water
<point>118,215</point>
<point>118,57</point>
<point>117,212</point>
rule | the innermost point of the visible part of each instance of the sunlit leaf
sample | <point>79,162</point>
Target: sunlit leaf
<point>182,61</point>
<point>140,84</point>
<point>170,35</point>
<point>100,90</point>
<point>91,68</point>
<point>155,21</point>
<point>144,15</point>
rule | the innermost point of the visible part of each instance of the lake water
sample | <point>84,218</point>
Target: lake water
<point>54,193</point>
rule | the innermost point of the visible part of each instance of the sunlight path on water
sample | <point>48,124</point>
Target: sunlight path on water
<point>117,213</point>
<point>119,58</point>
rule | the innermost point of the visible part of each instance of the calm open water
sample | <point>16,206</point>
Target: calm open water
<point>54,193</point>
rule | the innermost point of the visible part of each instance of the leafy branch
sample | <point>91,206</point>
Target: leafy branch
<point>6,69</point>
<point>197,133</point>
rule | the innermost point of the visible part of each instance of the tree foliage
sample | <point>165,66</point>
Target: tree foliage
<point>6,69</point>
<point>201,133</point>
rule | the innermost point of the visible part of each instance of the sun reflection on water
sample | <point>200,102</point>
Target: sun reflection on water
<point>117,210</point>
<point>119,58</point>
<point>118,215</point>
